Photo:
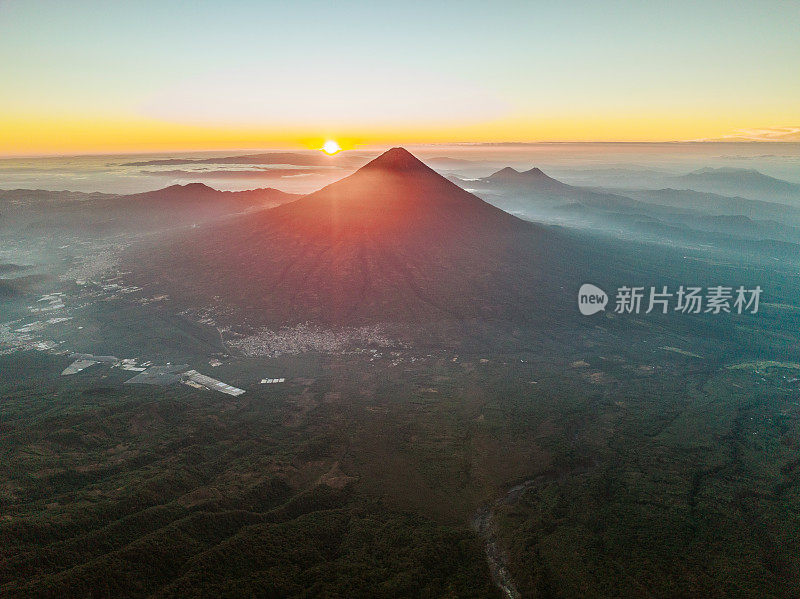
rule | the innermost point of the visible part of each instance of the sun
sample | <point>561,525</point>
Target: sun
<point>331,147</point>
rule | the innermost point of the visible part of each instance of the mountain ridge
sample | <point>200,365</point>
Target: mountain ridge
<point>394,241</point>
<point>100,214</point>
<point>748,183</point>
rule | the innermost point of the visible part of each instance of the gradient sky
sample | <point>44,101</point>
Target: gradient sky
<point>85,76</point>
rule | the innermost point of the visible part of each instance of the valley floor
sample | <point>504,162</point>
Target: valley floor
<point>638,472</point>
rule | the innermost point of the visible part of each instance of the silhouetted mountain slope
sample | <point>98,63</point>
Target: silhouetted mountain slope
<point>395,241</point>
<point>10,268</point>
<point>19,286</point>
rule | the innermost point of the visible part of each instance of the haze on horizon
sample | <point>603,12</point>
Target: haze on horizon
<point>109,77</point>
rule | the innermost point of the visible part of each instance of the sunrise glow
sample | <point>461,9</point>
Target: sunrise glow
<point>331,147</point>
<point>622,74</point>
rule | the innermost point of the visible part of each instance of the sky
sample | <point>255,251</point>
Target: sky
<point>85,76</point>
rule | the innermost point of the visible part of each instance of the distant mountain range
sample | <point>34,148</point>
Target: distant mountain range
<point>736,182</point>
<point>238,173</point>
<point>447,162</point>
<point>532,190</point>
<point>716,204</point>
<point>395,241</point>
<point>747,183</point>
<point>95,213</point>
<point>344,160</point>
<point>668,216</point>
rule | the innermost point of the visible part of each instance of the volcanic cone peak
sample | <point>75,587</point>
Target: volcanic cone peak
<point>397,159</point>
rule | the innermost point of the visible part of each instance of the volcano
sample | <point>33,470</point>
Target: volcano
<point>531,191</point>
<point>532,178</point>
<point>394,241</point>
